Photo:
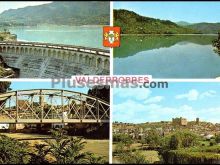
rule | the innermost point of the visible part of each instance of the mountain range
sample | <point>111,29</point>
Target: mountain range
<point>133,23</point>
<point>206,28</point>
<point>60,13</point>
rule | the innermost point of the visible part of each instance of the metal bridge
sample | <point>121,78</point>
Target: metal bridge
<point>52,106</point>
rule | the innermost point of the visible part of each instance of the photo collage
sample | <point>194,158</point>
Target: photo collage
<point>109,82</point>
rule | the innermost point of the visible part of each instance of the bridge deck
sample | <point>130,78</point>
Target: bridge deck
<point>45,121</point>
<point>84,49</point>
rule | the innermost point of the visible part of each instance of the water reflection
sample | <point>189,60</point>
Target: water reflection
<point>167,57</point>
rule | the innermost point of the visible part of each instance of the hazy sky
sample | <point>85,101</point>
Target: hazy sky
<point>5,5</point>
<point>175,11</point>
<point>189,100</point>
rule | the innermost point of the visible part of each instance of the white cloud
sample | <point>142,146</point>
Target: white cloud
<point>191,95</point>
<point>127,110</point>
<point>135,112</point>
<point>155,99</point>
<point>209,93</point>
<point>138,106</point>
<point>194,95</point>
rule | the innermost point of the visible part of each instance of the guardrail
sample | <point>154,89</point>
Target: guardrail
<point>83,49</point>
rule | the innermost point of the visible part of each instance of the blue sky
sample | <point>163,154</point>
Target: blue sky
<point>189,100</point>
<point>192,12</point>
<point>5,5</point>
<point>22,85</point>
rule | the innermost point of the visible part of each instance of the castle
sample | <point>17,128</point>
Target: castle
<point>179,121</point>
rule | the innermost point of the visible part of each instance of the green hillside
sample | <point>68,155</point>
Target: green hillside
<point>206,27</point>
<point>183,23</point>
<point>132,23</point>
<point>60,13</point>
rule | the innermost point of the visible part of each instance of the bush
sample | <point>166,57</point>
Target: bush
<point>68,150</point>
<point>123,138</point>
<point>179,140</point>
<point>64,149</point>
<point>133,158</point>
<point>189,157</point>
<point>12,151</point>
<point>119,148</point>
<point>153,139</point>
<point>217,138</point>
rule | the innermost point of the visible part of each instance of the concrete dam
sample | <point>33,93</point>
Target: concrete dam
<point>45,60</point>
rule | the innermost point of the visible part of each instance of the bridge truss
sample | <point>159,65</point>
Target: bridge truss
<point>52,106</point>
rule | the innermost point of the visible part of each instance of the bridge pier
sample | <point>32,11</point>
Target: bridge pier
<point>15,127</point>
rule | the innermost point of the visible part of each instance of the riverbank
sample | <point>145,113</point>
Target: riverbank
<point>6,71</point>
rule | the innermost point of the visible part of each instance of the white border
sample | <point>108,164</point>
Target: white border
<point>111,90</point>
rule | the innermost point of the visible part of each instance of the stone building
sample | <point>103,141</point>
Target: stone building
<point>197,120</point>
<point>179,121</point>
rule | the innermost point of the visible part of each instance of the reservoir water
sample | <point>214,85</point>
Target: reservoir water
<point>174,56</point>
<point>89,36</point>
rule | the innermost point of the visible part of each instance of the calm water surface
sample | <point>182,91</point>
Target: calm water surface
<point>90,36</point>
<point>182,56</point>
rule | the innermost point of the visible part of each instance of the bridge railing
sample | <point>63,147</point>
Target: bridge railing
<point>97,51</point>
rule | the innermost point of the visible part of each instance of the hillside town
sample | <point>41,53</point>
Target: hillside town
<point>139,131</point>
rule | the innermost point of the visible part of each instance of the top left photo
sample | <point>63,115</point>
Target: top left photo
<point>53,39</point>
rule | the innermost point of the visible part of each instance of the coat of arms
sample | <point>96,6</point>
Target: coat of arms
<point>111,36</point>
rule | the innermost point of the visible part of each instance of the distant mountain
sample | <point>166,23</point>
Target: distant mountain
<point>206,27</point>
<point>132,23</point>
<point>61,13</point>
<point>183,23</point>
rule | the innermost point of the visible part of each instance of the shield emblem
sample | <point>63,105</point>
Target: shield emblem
<point>111,36</point>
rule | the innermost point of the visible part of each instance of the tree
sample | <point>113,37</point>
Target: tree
<point>217,138</point>
<point>153,139</point>
<point>119,148</point>
<point>69,150</point>
<point>183,139</point>
<point>5,30</point>
<point>4,86</point>
<point>93,159</point>
<point>123,138</point>
<point>216,43</point>
<point>133,158</point>
<point>39,156</point>
<point>189,139</point>
<point>100,91</point>
<point>175,142</point>
<point>12,151</point>
<point>65,149</point>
